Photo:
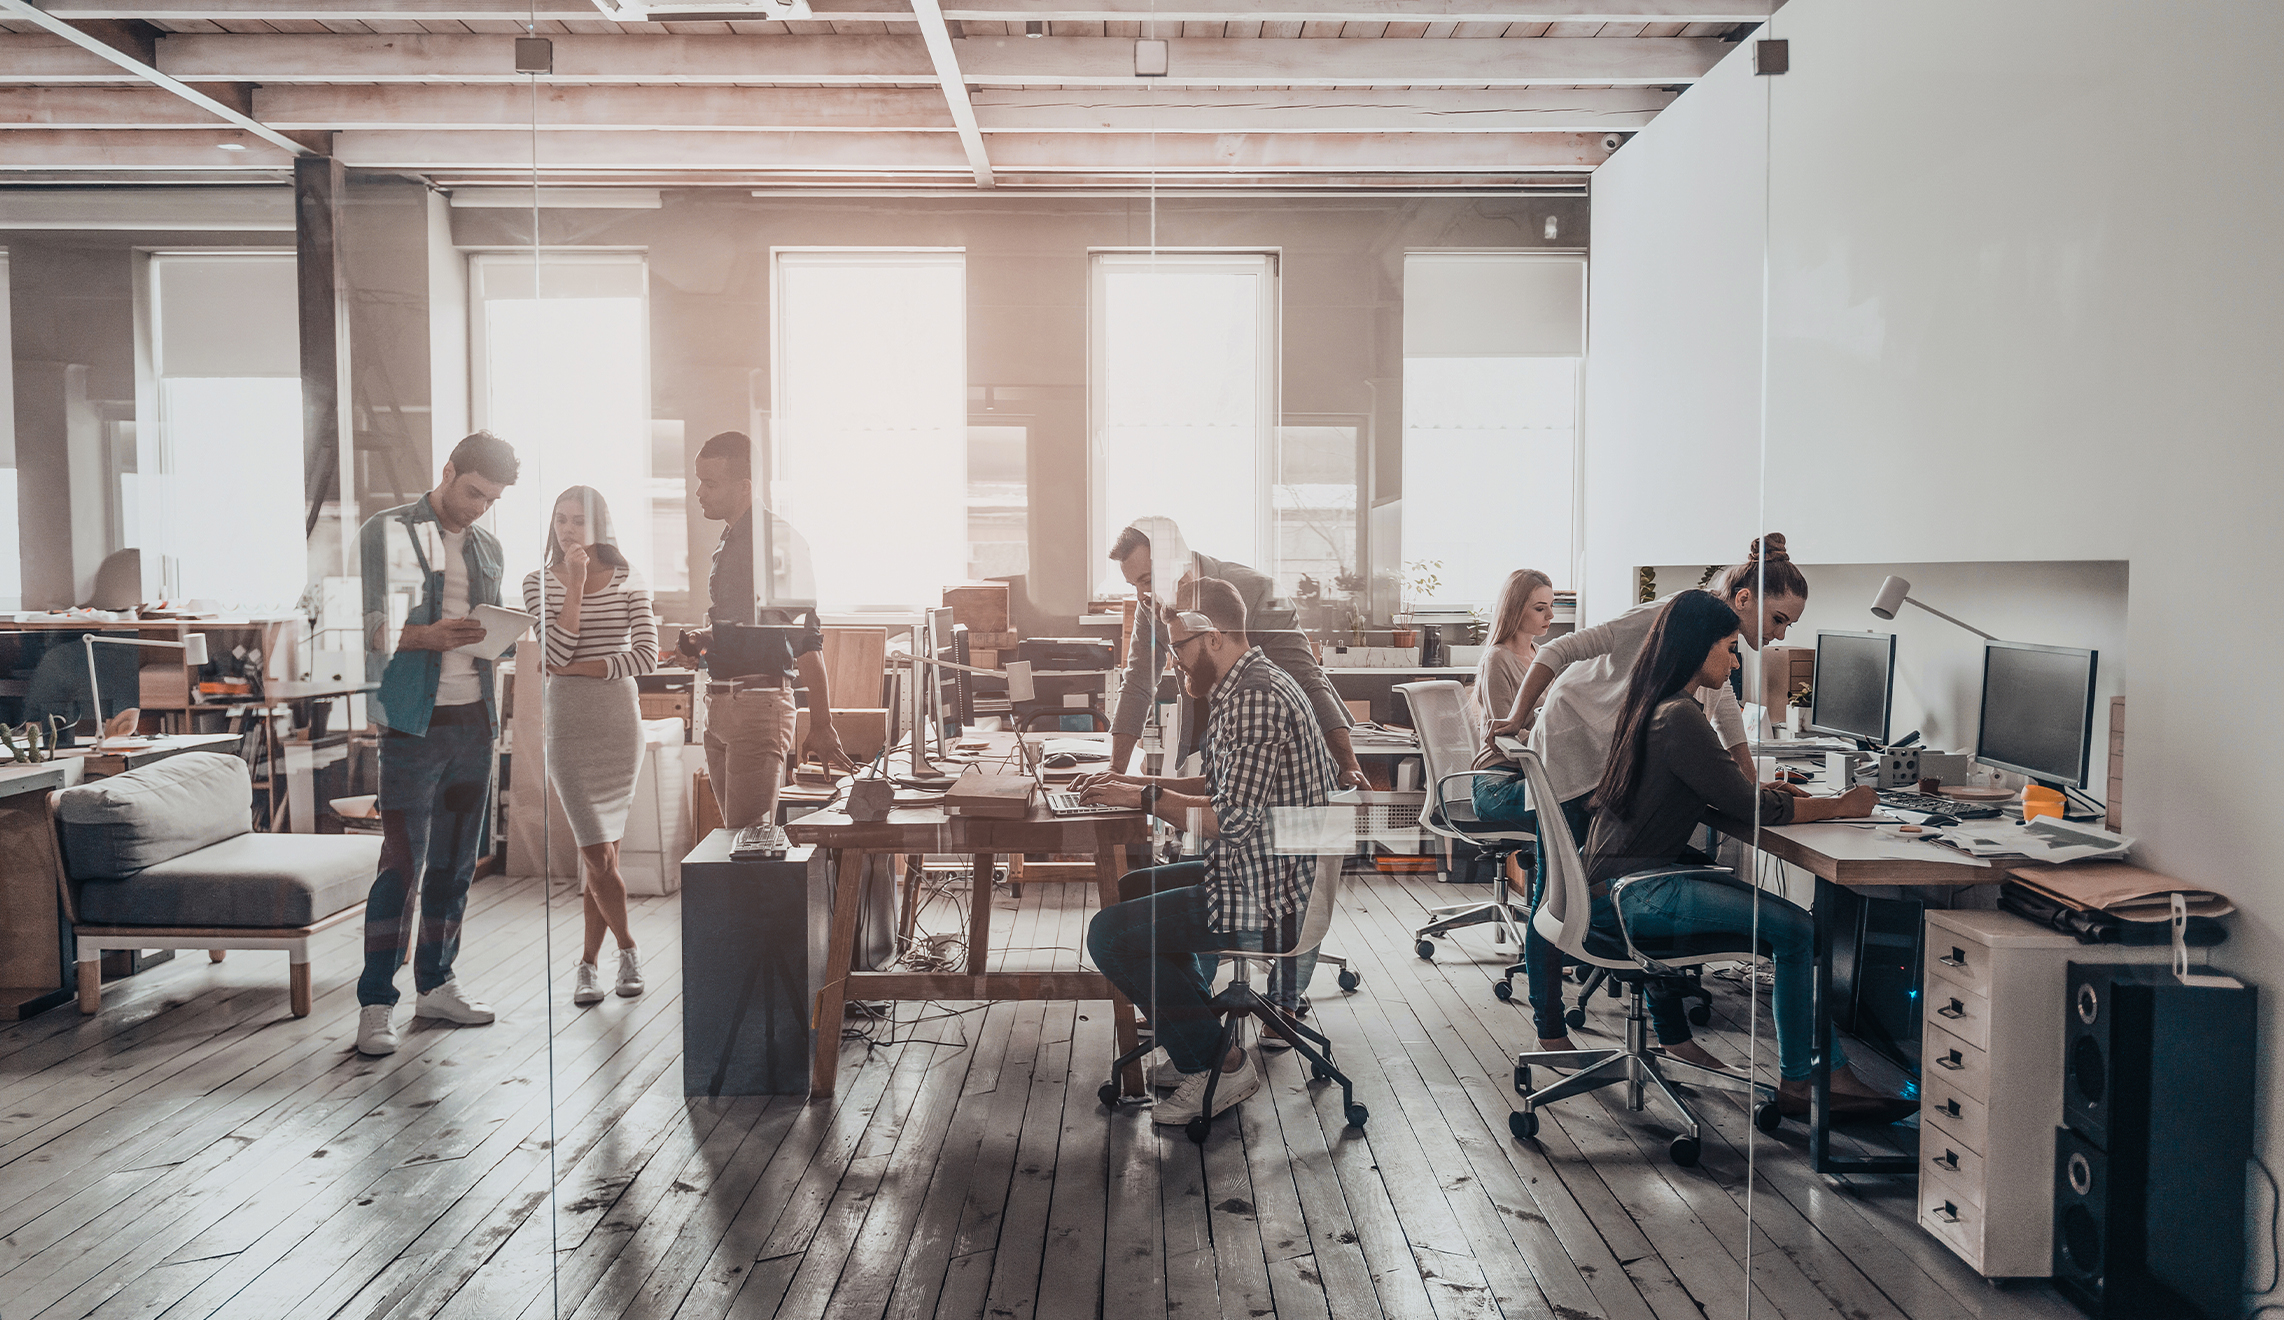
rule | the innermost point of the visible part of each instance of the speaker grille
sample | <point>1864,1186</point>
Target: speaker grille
<point>2082,1241</point>
<point>2089,1070</point>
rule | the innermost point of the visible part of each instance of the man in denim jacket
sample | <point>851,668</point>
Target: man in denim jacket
<point>438,717</point>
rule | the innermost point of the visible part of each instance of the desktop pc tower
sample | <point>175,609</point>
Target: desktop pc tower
<point>2149,1167</point>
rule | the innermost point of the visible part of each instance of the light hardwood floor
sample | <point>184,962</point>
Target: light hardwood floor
<point>196,1151</point>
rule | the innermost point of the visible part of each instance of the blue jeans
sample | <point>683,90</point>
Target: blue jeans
<point>1708,913</point>
<point>1288,977</point>
<point>435,790</point>
<point>1153,947</point>
<point>1502,799</point>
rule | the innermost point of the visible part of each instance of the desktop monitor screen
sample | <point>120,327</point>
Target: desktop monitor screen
<point>1854,684</point>
<point>2038,711</point>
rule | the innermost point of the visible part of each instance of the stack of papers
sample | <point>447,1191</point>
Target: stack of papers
<point>2043,840</point>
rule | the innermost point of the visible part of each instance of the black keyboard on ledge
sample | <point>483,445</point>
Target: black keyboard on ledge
<point>758,843</point>
<point>1930,805</point>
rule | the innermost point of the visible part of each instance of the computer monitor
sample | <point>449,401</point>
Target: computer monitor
<point>2038,711</point>
<point>1853,691</point>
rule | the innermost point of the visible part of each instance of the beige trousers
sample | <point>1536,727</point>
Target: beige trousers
<point>749,738</point>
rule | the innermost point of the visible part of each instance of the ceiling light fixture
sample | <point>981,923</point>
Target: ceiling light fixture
<point>229,146</point>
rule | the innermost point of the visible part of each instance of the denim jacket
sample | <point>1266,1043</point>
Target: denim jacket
<point>408,678</point>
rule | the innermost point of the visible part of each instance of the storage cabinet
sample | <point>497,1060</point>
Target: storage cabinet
<point>1991,1084</point>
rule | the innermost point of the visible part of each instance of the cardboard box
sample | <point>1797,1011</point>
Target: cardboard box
<point>982,606</point>
<point>863,731</point>
<point>990,793</point>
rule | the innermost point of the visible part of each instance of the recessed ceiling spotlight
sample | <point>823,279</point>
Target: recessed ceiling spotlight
<point>1034,27</point>
<point>229,146</point>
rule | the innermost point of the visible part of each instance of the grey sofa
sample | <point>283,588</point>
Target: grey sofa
<point>165,857</point>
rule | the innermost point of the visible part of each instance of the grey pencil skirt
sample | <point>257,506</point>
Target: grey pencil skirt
<point>594,751</point>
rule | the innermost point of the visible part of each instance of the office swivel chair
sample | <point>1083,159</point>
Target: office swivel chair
<point>1239,1000</point>
<point>1564,917</point>
<point>1588,978</point>
<point>1447,743</point>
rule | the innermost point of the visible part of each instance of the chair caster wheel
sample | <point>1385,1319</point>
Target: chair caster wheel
<point>1522,1079</point>
<point>1502,990</point>
<point>1767,1117</point>
<point>1198,1128</point>
<point>1424,949</point>
<point>1577,975</point>
<point>1108,1095</point>
<point>1700,1014</point>
<point>1575,1018</point>
<point>1684,1152</point>
<point>1349,979</point>
<point>1525,1126</point>
<point>1356,1114</point>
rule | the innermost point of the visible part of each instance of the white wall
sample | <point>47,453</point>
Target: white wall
<point>2025,282</point>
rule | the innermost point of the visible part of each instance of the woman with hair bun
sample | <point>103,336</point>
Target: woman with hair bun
<point>1569,706</point>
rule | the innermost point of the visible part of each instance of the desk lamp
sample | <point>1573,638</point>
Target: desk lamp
<point>194,647</point>
<point>1894,595</point>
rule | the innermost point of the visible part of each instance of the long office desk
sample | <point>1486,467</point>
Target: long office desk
<point>1851,856</point>
<point>917,830</point>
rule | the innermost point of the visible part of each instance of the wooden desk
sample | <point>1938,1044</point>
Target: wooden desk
<point>1850,856</point>
<point>916,830</point>
<point>35,948</point>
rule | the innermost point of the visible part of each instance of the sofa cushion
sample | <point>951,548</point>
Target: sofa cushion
<point>250,880</point>
<point>116,827</point>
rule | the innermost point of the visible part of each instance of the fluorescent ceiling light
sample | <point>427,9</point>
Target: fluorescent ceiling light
<point>559,198</point>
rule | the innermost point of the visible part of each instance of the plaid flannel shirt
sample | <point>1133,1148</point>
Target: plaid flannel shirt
<point>1262,749</point>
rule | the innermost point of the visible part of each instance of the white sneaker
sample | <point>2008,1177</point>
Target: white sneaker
<point>376,1034</point>
<point>450,1003</point>
<point>589,987</point>
<point>1188,1100</point>
<point>630,974</point>
<point>1161,1072</point>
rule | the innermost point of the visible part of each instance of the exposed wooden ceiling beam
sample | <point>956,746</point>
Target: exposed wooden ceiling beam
<point>1008,11</point>
<point>1001,61</point>
<point>938,38</point>
<point>125,51</point>
<point>133,149</point>
<point>869,109</point>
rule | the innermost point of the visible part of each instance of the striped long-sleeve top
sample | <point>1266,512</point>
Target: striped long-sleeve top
<point>617,625</point>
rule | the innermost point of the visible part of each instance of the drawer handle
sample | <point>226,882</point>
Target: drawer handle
<point>1957,958</point>
<point>1951,1107</point>
<point>1947,1212</point>
<point>1953,1010</point>
<point>1949,1159</point>
<point>1952,1061</point>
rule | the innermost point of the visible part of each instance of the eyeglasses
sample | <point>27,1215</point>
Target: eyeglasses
<point>1187,640</point>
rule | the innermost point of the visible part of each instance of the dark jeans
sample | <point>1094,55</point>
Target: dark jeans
<point>434,792</point>
<point>1153,947</point>
<point>1288,977</point>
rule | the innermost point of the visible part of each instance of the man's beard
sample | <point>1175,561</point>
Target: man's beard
<point>1196,685</point>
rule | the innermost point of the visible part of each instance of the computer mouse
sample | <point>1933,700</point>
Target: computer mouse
<point>1060,761</point>
<point>1940,822</point>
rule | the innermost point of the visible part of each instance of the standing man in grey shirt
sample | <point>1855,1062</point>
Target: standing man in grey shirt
<point>1272,627</point>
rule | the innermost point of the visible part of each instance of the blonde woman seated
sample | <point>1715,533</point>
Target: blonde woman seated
<point>600,631</point>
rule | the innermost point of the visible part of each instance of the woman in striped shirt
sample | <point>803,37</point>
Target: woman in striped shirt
<point>598,638</point>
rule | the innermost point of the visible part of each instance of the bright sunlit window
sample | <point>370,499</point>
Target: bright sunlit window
<point>216,501</point>
<point>562,373</point>
<point>1492,350</point>
<point>1182,382</point>
<point>870,460</point>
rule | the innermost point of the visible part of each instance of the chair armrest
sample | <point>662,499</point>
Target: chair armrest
<point>1436,823</point>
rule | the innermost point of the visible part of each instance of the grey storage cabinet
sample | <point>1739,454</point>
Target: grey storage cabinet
<point>753,959</point>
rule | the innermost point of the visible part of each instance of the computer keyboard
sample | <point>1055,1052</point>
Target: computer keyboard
<point>1930,805</point>
<point>1068,804</point>
<point>758,843</point>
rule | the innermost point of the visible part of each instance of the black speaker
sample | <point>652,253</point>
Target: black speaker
<point>2157,1096</point>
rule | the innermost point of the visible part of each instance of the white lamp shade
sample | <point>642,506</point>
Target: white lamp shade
<point>194,647</point>
<point>1891,597</point>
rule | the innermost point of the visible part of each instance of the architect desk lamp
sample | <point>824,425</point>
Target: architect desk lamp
<point>194,647</point>
<point>1895,594</point>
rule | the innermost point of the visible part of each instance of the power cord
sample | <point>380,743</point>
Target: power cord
<point>2275,1247</point>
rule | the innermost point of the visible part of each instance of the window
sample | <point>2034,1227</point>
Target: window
<point>11,553</point>
<point>1314,501</point>
<point>1182,393</point>
<point>999,508</point>
<point>870,452</point>
<point>216,500</point>
<point>1493,344</point>
<point>562,373</point>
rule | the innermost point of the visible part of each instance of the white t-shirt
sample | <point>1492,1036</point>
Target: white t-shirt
<point>456,684</point>
<point>1579,715</point>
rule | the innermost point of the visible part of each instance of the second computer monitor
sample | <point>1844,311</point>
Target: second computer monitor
<point>2038,711</point>
<point>1854,687</point>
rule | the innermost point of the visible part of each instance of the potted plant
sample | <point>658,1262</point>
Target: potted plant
<point>1421,579</point>
<point>1796,710</point>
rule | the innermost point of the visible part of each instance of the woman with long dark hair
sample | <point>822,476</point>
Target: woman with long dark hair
<point>1667,771</point>
<point>600,631</point>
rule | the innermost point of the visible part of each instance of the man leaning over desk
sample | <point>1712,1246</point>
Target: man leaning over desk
<point>1271,625</point>
<point>750,718</point>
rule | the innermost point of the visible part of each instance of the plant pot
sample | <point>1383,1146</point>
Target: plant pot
<point>1405,637</point>
<point>1796,719</point>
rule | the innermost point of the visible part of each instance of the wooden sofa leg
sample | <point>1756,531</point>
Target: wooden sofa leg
<point>216,955</point>
<point>91,986</point>
<point>300,983</point>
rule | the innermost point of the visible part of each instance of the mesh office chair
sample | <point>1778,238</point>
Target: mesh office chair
<point>1565,917</point>
<point>1239,1000</point>
<point>1447,743</point>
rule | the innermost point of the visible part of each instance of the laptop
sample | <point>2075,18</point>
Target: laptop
<point>1065,801</point>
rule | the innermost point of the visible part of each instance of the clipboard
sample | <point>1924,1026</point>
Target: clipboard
<point>503,627</point>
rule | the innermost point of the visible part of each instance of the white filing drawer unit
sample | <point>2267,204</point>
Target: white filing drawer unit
<point>1991,1084</point>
